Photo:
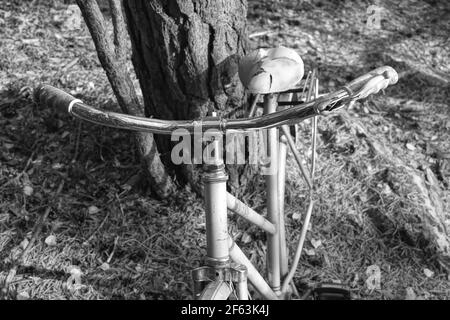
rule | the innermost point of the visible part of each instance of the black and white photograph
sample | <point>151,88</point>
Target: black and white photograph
<point>256,150</point>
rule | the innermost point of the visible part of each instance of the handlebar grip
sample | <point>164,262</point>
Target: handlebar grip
<point>373,82</point>
<point>54,98</point>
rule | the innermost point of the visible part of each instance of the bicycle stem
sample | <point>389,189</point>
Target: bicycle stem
<point>215,180</point>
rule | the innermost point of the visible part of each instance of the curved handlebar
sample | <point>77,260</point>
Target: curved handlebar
<point>359,88</point>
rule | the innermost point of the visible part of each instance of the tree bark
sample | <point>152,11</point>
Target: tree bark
<point>112,57</point>
<point>186,53</point>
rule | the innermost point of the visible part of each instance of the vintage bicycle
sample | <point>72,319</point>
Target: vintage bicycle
<point>273,75</point>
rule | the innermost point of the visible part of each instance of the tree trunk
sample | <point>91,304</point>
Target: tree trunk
<point>186,53</point>
<point>112,56</point>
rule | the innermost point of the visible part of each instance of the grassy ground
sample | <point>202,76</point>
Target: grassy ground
<point>130,246</point>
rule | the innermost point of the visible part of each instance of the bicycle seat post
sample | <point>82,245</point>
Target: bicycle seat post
<point>273,240</point>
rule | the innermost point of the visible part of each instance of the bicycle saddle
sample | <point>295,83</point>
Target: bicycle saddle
<point>271,70</point>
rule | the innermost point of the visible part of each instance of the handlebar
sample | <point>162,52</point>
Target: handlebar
<point>359,88</point>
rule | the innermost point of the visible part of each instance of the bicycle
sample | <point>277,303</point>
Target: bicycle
<point>227,269</point>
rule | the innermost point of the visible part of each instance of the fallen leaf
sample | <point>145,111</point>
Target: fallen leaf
<point>412,106</point>
<point>410,146</point>
<point>31,41</point>
<point>73,18</point>
<point>410,294</point>
<point>310,252</point>
<point>24,243</point>
<point>91,85</point>
<point>428,273</point>
<point>201,225</point>
<point>93,210</point>
<point>74,281</point>
<point>296,216</point>
<point>8,145</point>
<point>386,189</point>
<point>74,270</point>
<point>50,240</point>
<point>57,166</point>
<point>23,296</point>
<point>246,238</point>
<point>139,268</point>
<point>104,266</point>
<point>316,243</point>
<point>27,190</point>
<point>373,281</point>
